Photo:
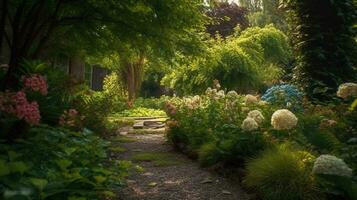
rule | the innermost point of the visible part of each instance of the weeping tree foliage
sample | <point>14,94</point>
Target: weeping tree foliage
<point>243,62</point>
<point>324,40</point>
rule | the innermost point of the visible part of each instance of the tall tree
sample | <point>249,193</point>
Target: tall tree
<point>31,24</point>
<point>324,39</point>
<point>252,5</point>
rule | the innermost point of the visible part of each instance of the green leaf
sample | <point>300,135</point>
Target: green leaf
<point>353,105</point>
<point>63,163</point>
<point>108,194</point>
<point>100,179</point>
<point>4,168</point>
<point>19,166</point>
<point>39,183</point>
<point>13,155</point>
<point>77,198</point>
<point>69,150</point>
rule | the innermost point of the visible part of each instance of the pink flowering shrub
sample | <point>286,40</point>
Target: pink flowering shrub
<point>36,83</point>
<point>71,118</point>
<point>170,108</point>
<point>18,105</point>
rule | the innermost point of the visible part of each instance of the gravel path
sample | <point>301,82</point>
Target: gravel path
<point>184,180</point>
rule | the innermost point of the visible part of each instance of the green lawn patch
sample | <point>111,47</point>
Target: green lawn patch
<point>123,139</point>
<point>118,149</point>
<point>157,158</point>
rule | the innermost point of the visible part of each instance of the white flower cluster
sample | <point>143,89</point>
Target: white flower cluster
<point>210,91</point>
<point>214,94</point>
<point>283,120</point>
<point>263,103</point>
<point>347,90</point>
<point>232,94</point>
<point>331,165</point>
<point>254,118</point>
<point>249,124</point>
<point>192,103</point>
<point>257,116</point>
<point>250,99</point>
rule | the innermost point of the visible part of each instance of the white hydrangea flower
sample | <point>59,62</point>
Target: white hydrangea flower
<point>257,116</point>
<point>283,120</point>
<point>196,99</point>
<point>208,91</point>
<point>232,94</point>
<point>331,165</point>
<point>263,103</point>
<point>249,124</point>
<point>218,86</point>
<point>245,109</point>
<point>192,103</point>
<point>221,93</point>
<point>347,90</point>
<point>250,99</point>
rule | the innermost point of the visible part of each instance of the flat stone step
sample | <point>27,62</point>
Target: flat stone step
<point>138,125</point>
<point>146,118</point>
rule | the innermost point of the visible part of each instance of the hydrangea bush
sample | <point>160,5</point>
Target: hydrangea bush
<point>284,95</point>
<point>331,165</point>
<point>218,116</point>
<point>283,119</point>
<point>228,128</point>
<point>347,90</point>
<point>17,104</point>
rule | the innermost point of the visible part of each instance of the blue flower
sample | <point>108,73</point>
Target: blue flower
<point>285,95</point>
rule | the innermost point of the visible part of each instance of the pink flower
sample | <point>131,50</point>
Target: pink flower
<point>36,83</point>
<point>171,109</point>
<point>29,112</point>
<point>32,113</point>
<point>18,105</point>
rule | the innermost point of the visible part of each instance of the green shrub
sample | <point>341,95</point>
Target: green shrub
<point>209,154</point>
<point>282,174</point>
<point>210,129</point>
<point>58,164</point>
<point>97,106</point>
<point>153,103</point>
<point>245,62</point>
<point>142,112</point>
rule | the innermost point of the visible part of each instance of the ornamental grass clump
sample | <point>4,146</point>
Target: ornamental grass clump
<point>283,119</point>
<point>282,174</point>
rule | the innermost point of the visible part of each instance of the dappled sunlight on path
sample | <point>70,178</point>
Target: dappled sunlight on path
<point>169,175</point>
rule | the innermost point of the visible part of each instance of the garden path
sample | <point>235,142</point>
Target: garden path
<point>169,175</point>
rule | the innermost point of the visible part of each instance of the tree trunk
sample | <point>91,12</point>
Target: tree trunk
<point>132,75</point>
<point>131,82</point>
<point>2,23</point>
